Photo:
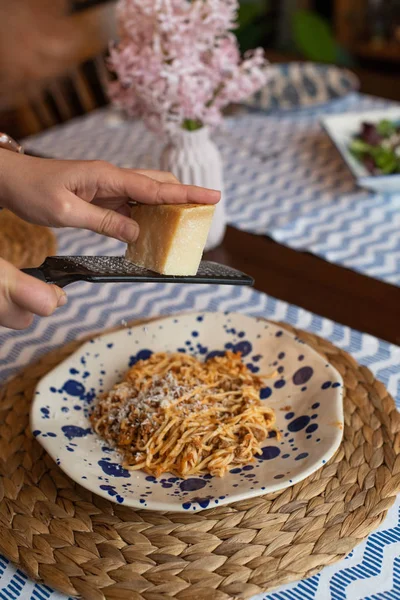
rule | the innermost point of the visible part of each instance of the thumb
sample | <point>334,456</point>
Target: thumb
<point>101,220</point>
<point>33,295</point>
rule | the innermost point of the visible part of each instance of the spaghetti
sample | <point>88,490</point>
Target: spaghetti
<point>173,413</point>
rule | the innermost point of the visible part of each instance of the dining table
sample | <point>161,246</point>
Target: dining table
<point>289,200</point>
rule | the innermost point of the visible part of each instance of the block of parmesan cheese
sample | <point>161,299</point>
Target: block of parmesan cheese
<point>171,238</point>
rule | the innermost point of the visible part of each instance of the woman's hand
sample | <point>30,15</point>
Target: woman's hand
<point>22,297</point>
<point>85,194</point>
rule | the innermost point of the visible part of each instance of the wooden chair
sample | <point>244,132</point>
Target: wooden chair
<point>72,81</point>
<point>80,90</point>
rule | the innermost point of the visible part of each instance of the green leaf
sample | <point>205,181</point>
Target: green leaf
<point>386,128</point>
<point>191,125</point>
<point>250,37</point>
<point>249,11</point>
<point>313,36</point>
<point>385,159</point>
<point>252,28</point>
<point>358,146</point>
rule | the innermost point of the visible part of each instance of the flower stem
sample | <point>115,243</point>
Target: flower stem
<point>191,124</point>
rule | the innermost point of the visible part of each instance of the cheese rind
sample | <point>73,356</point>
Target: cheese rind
<point>171,237</point>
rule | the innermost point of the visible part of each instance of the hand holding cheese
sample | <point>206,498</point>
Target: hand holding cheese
<point>171,237</point>
<point>84,194</point>
<point>87,194</point>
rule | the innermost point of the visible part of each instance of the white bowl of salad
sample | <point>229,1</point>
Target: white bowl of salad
<point>370,144</point>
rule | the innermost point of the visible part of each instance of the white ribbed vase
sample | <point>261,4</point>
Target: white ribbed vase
<point>195,160</point>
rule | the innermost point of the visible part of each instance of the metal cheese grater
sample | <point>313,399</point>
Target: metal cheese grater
<point>63,270</point>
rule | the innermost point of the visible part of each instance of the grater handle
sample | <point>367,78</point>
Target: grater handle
<point>48,276</point>
<point>36,273</point>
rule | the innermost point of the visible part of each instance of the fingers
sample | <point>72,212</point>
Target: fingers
<point>22,297</point>
<point>112,181</point>
<point>124,210</point>
<point>161,176</point>
<point>96,194</point>
<point>35,296</point>
<point>14,317</point>
<point>154,192</point>
<point>120,203</point>
<point>106,221</point>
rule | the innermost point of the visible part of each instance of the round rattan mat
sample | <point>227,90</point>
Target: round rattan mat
<point>72,540</point>
<point>22,244</point>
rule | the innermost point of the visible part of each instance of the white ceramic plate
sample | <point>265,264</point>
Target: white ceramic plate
<point>342,128</point>
<point>306,395</point>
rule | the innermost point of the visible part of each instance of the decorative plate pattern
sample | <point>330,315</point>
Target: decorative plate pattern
<point>306,395</point>
<point>298,85</point>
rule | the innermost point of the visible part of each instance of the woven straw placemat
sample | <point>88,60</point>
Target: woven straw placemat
<point>81,544</point>
<point>22,244</point>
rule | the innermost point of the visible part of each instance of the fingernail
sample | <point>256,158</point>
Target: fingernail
<point>203,194</point>
<point>62,300</point>
<point>130,232</point>
<point>213,196</point>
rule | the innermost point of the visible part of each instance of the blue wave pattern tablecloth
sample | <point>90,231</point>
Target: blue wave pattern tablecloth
<point>283,178</point>
<point>372,571</point>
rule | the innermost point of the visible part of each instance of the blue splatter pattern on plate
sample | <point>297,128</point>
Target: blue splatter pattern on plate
<point>305,393</point>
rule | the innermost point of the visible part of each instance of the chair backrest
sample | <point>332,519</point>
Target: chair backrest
<point>80,90</point>
<point>63,76</point>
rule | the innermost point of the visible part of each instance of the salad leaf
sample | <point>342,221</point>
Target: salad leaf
<point>385,159</point>
<point>386,128</point>
<point>370,134</point>
<point>377,147</point>
<point>358,146</point>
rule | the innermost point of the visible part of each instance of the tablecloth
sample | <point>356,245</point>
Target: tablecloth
<point>284,178</point>
<point>374,566</point>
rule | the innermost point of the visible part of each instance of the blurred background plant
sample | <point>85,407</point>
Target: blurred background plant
<point>301,31</point>
<point>313,37</point>
<point>255,24</point>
